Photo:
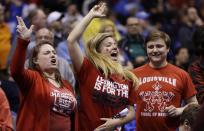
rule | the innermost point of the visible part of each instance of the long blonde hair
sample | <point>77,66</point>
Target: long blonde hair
<point>103,62</point>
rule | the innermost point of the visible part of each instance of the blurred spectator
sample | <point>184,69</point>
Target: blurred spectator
<point>113,17</point>
<point>5,114</point>
<point>54,23</point>
<point>16,8</point>
<point>44,35</point>
<point>62,50</point>
<point>188,117</point>
<point>72,13</point>
<point>196,69</point>
<point>133,44</point>
<point>37,17</point>
<point>5,44</point>
<point>182,58</point>
<point>191,21</point>
<point>95,26</point>
<point>146,28</point>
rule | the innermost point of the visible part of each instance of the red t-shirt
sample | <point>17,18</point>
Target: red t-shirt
<point>159,88</point>
<point>63,103</point>
<point>101,97</point>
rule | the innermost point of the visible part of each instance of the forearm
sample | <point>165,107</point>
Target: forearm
<point>18,59</point>
<point>80,28</point>
<point>190,101</point>
<point>130,116</point>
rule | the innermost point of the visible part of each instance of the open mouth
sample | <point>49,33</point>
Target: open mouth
<point>114,54</point>
<point>53,61</point>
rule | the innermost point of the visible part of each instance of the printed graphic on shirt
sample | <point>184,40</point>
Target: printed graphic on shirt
<point>110,93</point>
<point>171,81</point>
<point>157,100</point>
<point>63,102</point>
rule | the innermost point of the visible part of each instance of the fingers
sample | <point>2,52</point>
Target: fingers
<point>171,111</point>
<point>101,128</point>
<point>104,119</point>
<point>32,28</point>
<point>20,21</point>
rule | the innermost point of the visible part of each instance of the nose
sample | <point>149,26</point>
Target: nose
<point>115,46</point>
<point>52,54</point>
<point>155,49</point>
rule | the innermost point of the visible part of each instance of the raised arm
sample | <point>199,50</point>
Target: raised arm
<point>18,60</point>
<point>74,49</point>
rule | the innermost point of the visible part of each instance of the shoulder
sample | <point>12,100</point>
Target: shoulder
<point>140,69</point>
<point>176,70</point>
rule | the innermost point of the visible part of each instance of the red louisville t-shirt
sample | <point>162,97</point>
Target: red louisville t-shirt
<point>159,88</point>
<point>101,97</point>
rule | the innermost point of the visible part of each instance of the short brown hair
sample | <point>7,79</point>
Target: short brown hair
<point>190,114</point>
<point>158,35</point>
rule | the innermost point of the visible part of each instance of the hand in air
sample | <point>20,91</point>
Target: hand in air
<point>99,10</point>
<point>23,32</point>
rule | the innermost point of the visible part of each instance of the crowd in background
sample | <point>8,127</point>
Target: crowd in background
<point>130,21</point>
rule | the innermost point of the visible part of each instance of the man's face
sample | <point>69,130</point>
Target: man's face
<point>44,35</point>
<point>133,26</point>
<point>39,20</point>
<point>192,14</point>
<point>182,56</point>
<point>157,52</point>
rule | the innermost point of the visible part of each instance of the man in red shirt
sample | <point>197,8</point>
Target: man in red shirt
<point>161,89</point>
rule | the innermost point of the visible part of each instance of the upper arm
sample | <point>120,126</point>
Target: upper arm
<point>76,55</point>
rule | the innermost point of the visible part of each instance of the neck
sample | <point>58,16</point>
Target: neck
<point>158,65</point>
<point>49,75</point>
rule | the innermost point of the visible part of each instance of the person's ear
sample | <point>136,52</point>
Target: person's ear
<point>187,125</point>
<point>35,60</point>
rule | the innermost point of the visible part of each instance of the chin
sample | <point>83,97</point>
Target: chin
<point>114,59</point>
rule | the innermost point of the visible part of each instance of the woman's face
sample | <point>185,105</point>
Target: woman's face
<point>157,52</point>
<point>109,47</point>
<point>47,58</point>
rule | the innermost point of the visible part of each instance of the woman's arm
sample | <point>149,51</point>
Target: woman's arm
<point>111,124</point>
<point>18,60</point>
<point>74,49</point>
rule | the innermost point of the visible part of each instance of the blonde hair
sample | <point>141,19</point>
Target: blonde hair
<point>104,63</point>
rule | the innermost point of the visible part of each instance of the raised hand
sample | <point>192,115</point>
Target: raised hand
<point>23,31</point>
<point>99,10</point>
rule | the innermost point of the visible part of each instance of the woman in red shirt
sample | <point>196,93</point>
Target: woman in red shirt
<point>46,101</point>
<point>105,87</point>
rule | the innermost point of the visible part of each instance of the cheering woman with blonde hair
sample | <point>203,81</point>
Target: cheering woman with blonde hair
<point>105,87</point>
